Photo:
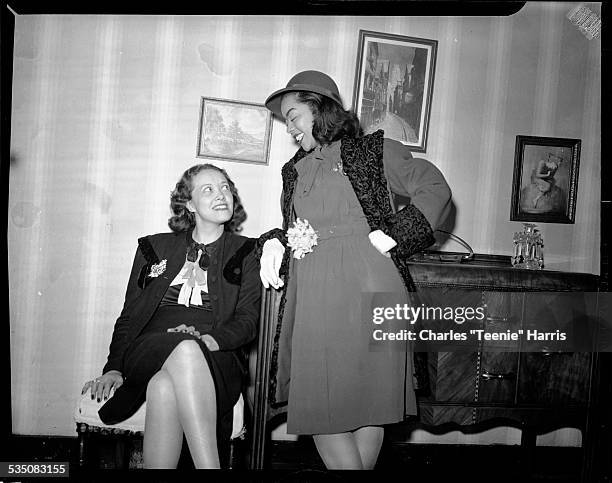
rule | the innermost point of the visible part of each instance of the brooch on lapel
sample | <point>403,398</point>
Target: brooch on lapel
<point>339,168</point>
<point>157,269</point>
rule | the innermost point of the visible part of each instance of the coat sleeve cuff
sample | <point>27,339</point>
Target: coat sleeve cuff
<point>111,366</point>
<point>274,233</point>
<point>410,229</point>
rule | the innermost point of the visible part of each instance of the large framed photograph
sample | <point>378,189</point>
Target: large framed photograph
<point>394,85</point>
<point>545,180</point>
<point>233,130</point>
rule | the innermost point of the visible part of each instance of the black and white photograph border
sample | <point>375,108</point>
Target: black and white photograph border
<point>284,459</point>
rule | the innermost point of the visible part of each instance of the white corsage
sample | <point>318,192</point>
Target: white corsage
<point>158,269</point>
<point>301,237</point>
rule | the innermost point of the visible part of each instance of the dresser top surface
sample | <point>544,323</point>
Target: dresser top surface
<point>494,271</point>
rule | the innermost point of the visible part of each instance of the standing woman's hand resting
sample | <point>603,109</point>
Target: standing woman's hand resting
<point>271,259</point>
<point>382,242</point>
<point>102,386</point>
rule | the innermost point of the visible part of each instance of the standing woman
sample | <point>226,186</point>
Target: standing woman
<point>343,389</point>
<point>191,304</point>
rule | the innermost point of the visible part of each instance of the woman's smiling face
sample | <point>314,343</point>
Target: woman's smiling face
<point>211,197</point>
<point>299,121</point>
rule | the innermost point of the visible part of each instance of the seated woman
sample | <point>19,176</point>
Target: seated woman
<point>192,302</point>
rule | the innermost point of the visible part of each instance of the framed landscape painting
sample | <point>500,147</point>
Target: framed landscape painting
<point>233,130</point>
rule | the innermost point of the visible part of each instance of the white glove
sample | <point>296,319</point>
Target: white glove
<point>271,259</point>
<point>382,242</point>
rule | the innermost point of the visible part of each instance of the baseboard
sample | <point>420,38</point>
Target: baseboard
<point>41,448</point>
<point>559,464</point>
<point>491,462</point>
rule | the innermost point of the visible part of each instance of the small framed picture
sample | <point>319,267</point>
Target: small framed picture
<point>545,180</point>
<point>233,130</point>
<point>394,85</point>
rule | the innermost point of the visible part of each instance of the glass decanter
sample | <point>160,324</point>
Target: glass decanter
<point>528,248</point>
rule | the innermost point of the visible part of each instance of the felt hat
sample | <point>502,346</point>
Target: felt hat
<point>308,80</point>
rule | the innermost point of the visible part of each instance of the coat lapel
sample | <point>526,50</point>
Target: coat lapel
<point>175,253</point>
<point>363,164</point>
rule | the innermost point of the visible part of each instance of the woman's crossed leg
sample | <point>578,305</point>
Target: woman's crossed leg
<point>181,399</point>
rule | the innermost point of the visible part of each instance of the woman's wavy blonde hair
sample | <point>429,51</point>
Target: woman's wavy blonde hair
<point>183,219</point>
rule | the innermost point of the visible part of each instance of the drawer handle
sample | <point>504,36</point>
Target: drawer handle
<point>488,376</point>
<point>547,352</point>
<point>497,318</point>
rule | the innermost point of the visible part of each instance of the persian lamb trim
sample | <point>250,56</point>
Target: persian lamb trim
<point>410,229</point>
<point>362,163</point>
<point>289,176</point>
<point>277,233</point>
<point>147,250</point>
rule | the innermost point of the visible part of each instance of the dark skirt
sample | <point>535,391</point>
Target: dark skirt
<point>148,352</point>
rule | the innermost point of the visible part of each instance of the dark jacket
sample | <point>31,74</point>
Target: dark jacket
<point>233,281</point>
<point>362,161</point>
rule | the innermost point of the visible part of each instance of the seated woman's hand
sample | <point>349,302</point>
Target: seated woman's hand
<point>191,330</point>
<point>101,387</point>
<point>210,342</point>
<point>271,259</point>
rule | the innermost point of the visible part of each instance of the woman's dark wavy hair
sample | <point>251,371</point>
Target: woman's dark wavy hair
<point>331,121</point>
<point>183,219</point>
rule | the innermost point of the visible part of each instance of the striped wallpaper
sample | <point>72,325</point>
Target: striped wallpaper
<point>105,119</point>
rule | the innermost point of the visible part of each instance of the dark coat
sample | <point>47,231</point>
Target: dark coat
<point>362,162</point>
<point>234,288</point>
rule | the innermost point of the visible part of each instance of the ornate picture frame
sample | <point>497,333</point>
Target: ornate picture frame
<point>545,180</point>
<point>394,84</point>
<point>234,131</point>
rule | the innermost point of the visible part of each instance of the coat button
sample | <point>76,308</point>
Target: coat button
<point>213,278</point>
<point>214,297</point>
